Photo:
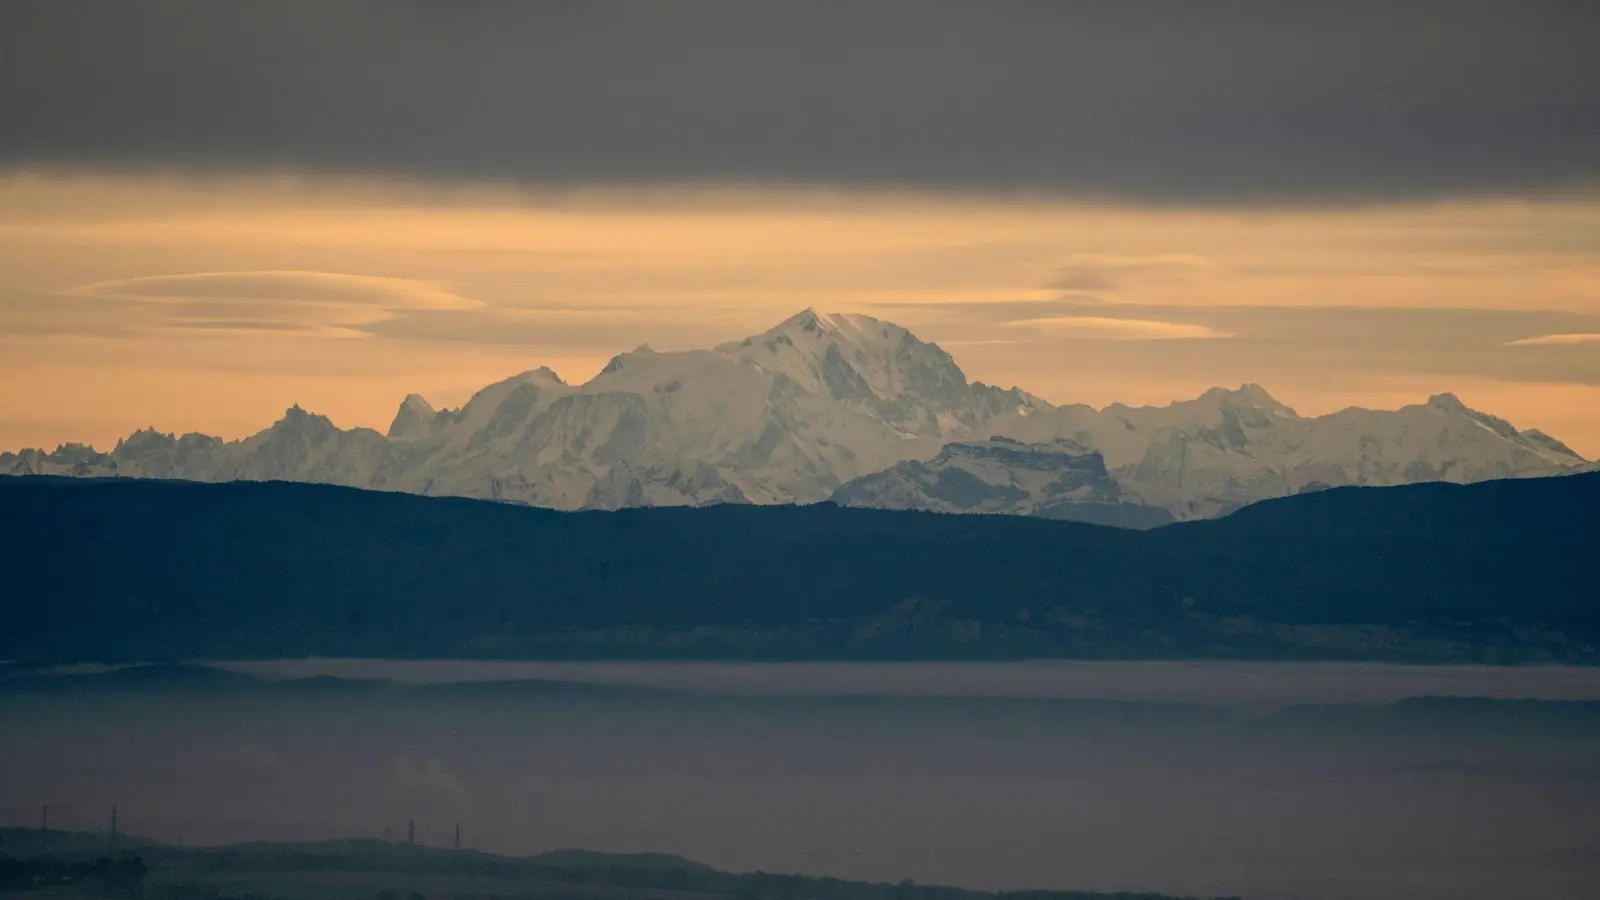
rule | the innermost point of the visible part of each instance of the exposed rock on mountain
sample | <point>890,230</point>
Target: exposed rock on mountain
<point>415,419</point>
<point>1058,480</point>
<point>790,415</point>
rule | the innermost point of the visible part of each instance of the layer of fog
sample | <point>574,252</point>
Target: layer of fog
<point>987,776</point>
<point>1233,684</point>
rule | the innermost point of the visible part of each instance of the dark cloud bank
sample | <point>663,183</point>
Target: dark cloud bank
<point>1203,102</point>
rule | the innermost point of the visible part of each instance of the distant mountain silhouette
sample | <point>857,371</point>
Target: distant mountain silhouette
<point>826,403</point>
<point>557,873</point>
<point>125,569</point>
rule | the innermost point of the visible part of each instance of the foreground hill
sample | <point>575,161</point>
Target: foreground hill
<point>65,864</point>
<point>819,401</point>
<point>116,569</point>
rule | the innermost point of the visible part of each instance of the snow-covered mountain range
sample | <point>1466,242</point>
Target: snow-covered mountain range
<point>799,413</point>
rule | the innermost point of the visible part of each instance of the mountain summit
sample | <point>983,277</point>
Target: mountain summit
<point>854,358</point>
<point>808,407</point>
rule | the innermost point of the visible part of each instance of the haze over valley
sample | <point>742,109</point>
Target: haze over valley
<point>1248,780</point>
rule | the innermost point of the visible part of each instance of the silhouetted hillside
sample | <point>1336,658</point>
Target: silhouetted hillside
<point>116,569</point>
<point>54,865</point>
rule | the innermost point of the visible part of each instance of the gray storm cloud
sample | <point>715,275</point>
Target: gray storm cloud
<point>1166,103</point>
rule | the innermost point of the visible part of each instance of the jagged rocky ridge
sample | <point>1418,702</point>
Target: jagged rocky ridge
<point>799,413</point>
<point>1058,480</point>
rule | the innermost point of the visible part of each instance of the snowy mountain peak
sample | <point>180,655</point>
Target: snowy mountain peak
<point>1256,395</point>
<point>297,421</point>
<point>840,327</point>
<point>413,419</point>
<point>1248,396</point>
<point>807,319</point>
<point>620,361</point>
<point>142,436</point>
<point>815,332</point>
<point>855,359</point>
<point>1538,438</point>
<point>821,400</point>
<point>1451,405</point>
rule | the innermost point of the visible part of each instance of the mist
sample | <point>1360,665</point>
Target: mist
<point>1266,781</point>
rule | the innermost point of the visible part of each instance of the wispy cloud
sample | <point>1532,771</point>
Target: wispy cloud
<point>257,303</point>
<point>295,303</point>
<point>1107,329</point>
<point>1115,273</point>
<point>285,286</point>
<point>1555,340</point>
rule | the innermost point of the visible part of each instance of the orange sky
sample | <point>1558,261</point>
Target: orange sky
<point>213,304</point>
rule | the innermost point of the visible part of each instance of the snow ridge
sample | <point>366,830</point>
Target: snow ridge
<point>810,408</point>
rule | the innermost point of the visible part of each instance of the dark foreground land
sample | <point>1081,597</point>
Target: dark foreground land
<point>38,865</point>
<point>1498,572</point>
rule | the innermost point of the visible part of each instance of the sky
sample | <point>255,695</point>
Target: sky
<point>209,212</point>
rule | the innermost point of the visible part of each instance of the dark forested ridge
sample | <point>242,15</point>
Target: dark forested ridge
<point>1500,571</point>
<point>76,864</point>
